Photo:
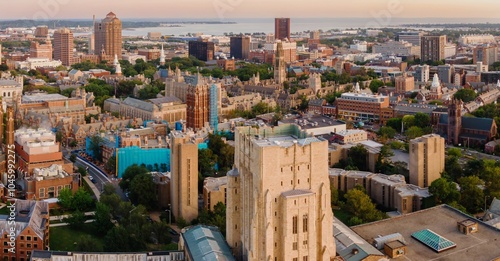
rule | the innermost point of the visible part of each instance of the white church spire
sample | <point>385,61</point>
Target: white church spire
<point>162,56</point>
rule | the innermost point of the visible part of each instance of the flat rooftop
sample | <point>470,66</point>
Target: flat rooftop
<point>482,245</point>
<point>283,141</point>
<point>311,122</point>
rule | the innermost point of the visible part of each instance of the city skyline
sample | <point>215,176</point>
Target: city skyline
<point>227,9</point>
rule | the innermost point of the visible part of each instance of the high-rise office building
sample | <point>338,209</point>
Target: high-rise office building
<point>412,37</point>
<point>422,73</point>
<point>63,46</point>
<point>42,31</point>
<point>432,47</point>
<point>197,101</point>
<point>426,159</point>
<point>445,72</point>
<point>240,47</point>
<point>314,35</point>
<point>184,176</point>
<point>108,36</point>
<point>279,64</point>
<point>278,196</point>
<point>282,28</point>
<point>487,54</point>
<point>215,95</point>
<point>202,49</point>
<point>42,49</point>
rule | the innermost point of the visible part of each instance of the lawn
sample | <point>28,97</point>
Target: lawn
<point>63,238</point>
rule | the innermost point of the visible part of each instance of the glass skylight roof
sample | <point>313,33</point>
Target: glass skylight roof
<point>433,240</point>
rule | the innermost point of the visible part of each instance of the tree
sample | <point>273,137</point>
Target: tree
<point>118,240</point>
<point>395,123</point>
<point>472,196</point>
<point>102,218</point>
<point>466,95</point>
<point>108,189</point>
<point>444,191</point>
<point>414,132</point>
<point>113,202</point>
<point>95,146</point>
<point>111,164</point>
<point>82,200</point>
<point>82,171</point>
<point>142,191</point>
<point>75,220</point>
<point>455,152</point>
<point>358,157</point>
<point>73,143</point>
<point>86,243</point>
<point>387,132</point>
<point>408,121</point>
<point>422,120</point>
<point>129,175</point>
<point>375,84</point>
<point>72,158</point>
<point>217,217</point>
<point>65,198</point>
<point>360,205</point>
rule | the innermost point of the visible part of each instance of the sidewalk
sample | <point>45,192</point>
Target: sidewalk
<point>92,186</point>
<point>90,213</point>
<point>66,224</point>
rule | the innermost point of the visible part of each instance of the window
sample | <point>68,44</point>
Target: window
<point>295,259</point>
<point>294,224</point>
<point>28,238</point>
<point>22,237</point>
<point>305,258</point>
<point>294,245</point>
<point>304,242</point>
<point>304,225</point>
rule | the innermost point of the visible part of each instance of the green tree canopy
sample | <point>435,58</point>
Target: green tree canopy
<point>360,205</point>
<point>129,175</point>
<point>444,191</point>
<point>466,95</point>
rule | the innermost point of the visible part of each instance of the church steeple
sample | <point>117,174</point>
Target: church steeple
<point>162,56</point>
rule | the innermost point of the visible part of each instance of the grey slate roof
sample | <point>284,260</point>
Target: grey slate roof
<point>146,106</point>
<point>483,124</point>
<point>206,243</point>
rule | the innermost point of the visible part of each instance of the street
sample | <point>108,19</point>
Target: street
<point>100,177</point>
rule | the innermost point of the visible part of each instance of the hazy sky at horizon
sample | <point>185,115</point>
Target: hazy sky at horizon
<point>227,9</point>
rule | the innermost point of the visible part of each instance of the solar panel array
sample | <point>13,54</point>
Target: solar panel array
<point>433,240</point>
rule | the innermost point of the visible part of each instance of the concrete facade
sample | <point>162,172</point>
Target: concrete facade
<point>278,197</point>
<point>184,176</point>
<point>427,156</point>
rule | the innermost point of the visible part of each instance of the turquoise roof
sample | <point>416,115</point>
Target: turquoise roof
<point>433,240</point>
<point>206,243</point>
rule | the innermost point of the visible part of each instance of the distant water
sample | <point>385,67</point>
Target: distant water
<point>266,25</point>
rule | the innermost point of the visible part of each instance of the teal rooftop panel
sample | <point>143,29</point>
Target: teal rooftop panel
<point>433,240</point>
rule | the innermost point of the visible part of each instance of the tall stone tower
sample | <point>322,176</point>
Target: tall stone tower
<point>279,65</point>
<point>315,82</point>
<point>427,156</point>
<point>278,196</point>
<point>184,171</point>
<point>454,121</point>
<point>197,104</point>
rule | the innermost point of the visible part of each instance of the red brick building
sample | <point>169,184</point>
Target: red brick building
<point>31,226</point>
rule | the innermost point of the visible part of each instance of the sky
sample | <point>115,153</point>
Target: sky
<point>227,9</point>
